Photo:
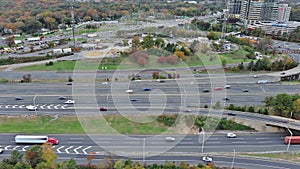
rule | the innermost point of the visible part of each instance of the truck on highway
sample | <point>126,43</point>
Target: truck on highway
<point>292,139</point>
<point>35,139</point>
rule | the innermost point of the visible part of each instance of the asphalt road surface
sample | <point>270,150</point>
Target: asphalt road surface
<point>176,97</point>
<point>188,149</point>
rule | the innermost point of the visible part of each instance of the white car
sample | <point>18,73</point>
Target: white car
<point>255,76</point>
<point>70,102</point>
<point>170,139</point>
<point>227,87</point>
<point>1,150</point>
<point>129,91</point>
<point>32,108</point>
<point>207,159</point>
<point>231,135</point>
<point>104,83</point>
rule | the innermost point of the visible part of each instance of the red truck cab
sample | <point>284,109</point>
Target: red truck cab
<point>53,141</point>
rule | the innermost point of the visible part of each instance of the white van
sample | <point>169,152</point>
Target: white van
<point>129,91</point>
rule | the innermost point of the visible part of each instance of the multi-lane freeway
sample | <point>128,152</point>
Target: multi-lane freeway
<point>188,149</point>
<point>46,97</point>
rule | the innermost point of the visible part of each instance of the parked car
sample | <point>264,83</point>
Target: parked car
<point>69,102</point>
<point>18,98</point>
<point>231,135</point>
<point>207,159</point>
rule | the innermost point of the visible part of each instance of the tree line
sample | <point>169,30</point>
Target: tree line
<point>44,157</point>
<point>29,17</point>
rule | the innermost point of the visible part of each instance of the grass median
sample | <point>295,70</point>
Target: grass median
<point>111,124</point>
<point>283,156</point>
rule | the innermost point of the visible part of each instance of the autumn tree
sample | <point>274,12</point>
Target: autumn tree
<point>162,59</point>
<point>172,59</point>
<point>179,54</point>
<point>142,61</point>
<point>10,41</point>
<point>135,42</point>
<point>48,155</point>
<point>34,156</point>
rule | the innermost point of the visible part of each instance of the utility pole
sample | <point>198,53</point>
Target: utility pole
<point>73,23</point>
<point>225,13</point>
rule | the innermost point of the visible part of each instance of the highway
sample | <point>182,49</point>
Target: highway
<point>152,147</point>
<point>46,95</point>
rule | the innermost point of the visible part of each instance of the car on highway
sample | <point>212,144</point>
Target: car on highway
<point>18,98</point>
<point>227,87</point>
<point>103,109</point>
<point>129,91</point>
<point>282,73</point>
<point>1,150</point>
<point>70,83</point>
<point>207,159</point>
<point>231,135</point>
<point>231,114</point>
<point>133,100</point>
<point>218,88</point>
<point>147,89</point>
<point>187,110</point>
<point>105,83</point>
<point>62,98</point>
<point>205,91</point>
<point>255,76</point>
<point>31,108</point>
<point>170,139</point>
<point>226,98</point>
<point>245,90</point>
<point>69,102</point>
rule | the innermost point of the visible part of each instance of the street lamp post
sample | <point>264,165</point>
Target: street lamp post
<point>287,149</point>
<point>233,159</point>
<point>202,147</point>
<point>291,133</point>
<point>33,100</point>
<point>144,141</point>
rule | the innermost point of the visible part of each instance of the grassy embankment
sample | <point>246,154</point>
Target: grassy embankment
<point>130,64</point>
<point>283,156</point>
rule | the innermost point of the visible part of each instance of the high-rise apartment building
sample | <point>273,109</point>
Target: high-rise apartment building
<point>252,11</point>
<point>283,12</point>
<point>234,8</point>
